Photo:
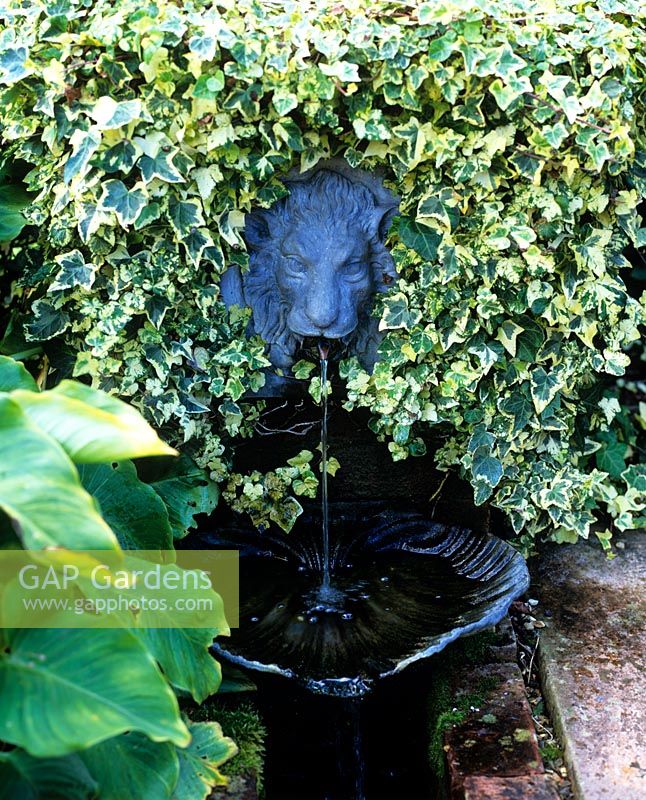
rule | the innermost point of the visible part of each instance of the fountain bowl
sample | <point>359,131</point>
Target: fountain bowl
<point>403,588</point>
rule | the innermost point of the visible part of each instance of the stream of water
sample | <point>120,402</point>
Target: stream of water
<point>323,351</point>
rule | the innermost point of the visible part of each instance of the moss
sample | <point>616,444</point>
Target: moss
<point>445,709</point>
<point>551,752</point>
<point>474,648</point>
<point>239,720</point>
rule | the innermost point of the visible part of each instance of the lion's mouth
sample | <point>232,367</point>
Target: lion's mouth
<point>308,348</point>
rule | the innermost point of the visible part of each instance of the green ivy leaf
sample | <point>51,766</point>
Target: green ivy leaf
<point>419,237</point>
<point>612,458</point>
<point>127,204</point>
<point>486,468</point>
<point>208,87</point>
<point>544,387</point>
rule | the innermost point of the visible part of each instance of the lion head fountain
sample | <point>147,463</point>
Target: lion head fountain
<point>355,593</point>
<point>316,259</point>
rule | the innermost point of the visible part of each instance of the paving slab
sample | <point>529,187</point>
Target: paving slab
<point>592,656</point>
<point>527,787</point>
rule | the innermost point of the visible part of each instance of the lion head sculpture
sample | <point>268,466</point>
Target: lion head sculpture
<point>316,259</point>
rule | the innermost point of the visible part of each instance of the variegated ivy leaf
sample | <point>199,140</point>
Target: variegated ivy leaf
<point>397,313</point>
<point>342,70</point>
<point>90,219</point>
<point>544,386</point>
<point>121,157</point>
<point>126,203</point>
<point>185,215</point>
<point>47,321</point>
<point>14,65</point>
<point>486,467</point>
<point>109,114</point>
<point>161,167</point>
<point>74,272</point>
<point>84,145</point>
<point>204,46</point>
<point>149,214</point>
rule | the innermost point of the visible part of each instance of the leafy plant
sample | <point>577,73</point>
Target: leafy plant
<point>514,136</point>
<point>77,701</point>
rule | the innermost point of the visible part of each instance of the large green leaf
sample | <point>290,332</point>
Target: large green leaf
<point>40,489</point>
<point>183,653</point>
<point>13,199</point>
<point>23,777</point>
<point>134,510</point>
<point>186,491</point>
<point>63,690</point>
<point>235,680</point>
<point>91,425</point>
<point>199,762</point>
<point>184,657</point>
<point>13,375</point>
<point>146,770</point>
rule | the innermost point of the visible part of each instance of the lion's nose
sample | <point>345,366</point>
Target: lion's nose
<point>321,312</point>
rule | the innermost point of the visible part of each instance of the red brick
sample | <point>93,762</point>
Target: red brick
<point>497,739</point>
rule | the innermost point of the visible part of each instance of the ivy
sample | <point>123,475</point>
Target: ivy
<point>514,139</point>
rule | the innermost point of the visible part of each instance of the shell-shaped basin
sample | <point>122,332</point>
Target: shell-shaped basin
<point>403,587</point>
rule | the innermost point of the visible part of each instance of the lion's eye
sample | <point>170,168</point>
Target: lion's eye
<point>354,269</point>
<point>294,267</point>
